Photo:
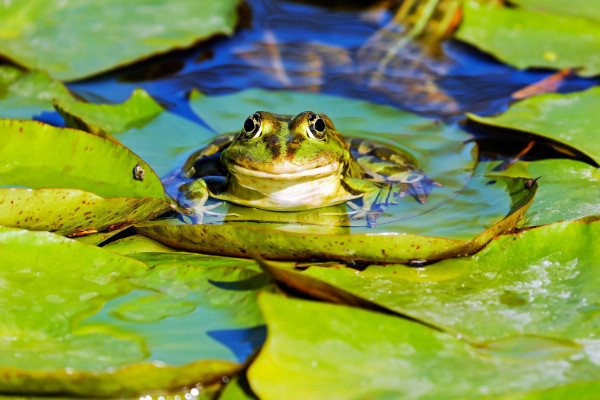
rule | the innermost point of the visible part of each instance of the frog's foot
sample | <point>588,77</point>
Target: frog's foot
<point>362,213</point>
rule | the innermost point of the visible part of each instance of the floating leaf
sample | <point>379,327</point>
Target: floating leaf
<point>241,240</point>
<point>140,124</point>
<point>568,189</point>
<point>77,39</point>
<point>329,351</point>
<point>581,8</point>
<point>544,39</point>
<point>569,119</point>
<point>73,212</point>
<point>538,282</point>
<point>24,95</point>
<point>98,174</point>
<point>91,322</point>
<point>137,244</point>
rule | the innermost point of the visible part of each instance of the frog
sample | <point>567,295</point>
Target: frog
<point>291,163</point>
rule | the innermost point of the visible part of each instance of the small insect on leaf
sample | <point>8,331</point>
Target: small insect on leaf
<point>139,173</point>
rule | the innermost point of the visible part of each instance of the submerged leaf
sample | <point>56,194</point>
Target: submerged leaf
<point>90,322</point>
<point>329,351</point>
<point>79,38</point>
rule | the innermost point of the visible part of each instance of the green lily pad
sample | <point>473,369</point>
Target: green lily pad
<point>99,237</point>
<point>24,95</point>
<point>580,8</point>
<point>140,124</point>
<point>568,189</point>
<point>91,322</point>
<point>73,212</point>
<point>330,351</point>
<point>137,244</point>
<point>464,224</point>
<point>570,119</point>
<point>85,184</point>
<point>77,39</point>
<point>554,40</point>
<point>538,282</point>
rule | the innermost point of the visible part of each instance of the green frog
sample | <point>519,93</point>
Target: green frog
<point>290,163</point>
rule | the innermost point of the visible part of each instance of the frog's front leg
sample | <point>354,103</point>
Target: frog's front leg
<point>372,206</point>
<point>195,194</point>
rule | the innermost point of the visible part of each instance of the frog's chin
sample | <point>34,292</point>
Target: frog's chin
<point>317,172</point>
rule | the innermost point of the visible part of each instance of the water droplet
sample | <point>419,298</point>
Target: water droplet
<point>195,392</point>
<point>314,363</point>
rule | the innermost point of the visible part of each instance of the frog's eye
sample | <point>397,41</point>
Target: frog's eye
<point>316,127</point>
<point>252,127</point>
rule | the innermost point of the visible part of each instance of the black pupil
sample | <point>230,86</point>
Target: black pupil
<point>320,125</point>
<point>249,125</point>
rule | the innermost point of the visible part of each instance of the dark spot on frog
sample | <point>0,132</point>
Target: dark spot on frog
<point>272,143</point>
<point>490,182</point>
<point>512,299</point>
<point>293,143</point>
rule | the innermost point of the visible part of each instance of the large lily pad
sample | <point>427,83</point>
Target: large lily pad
<point>91,322</point>
<point>25,95</point>
<point>79,38</point>
<point>568,189</point>
<point>580,8</point>
<point>329,351</point>
<point>86,183</point>
<point>161,138</point>
<point>464,224</point>
<point>526,38</point>
<point>539,282</point>
<point>571,119</point>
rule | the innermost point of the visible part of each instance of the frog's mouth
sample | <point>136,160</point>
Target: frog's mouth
<point>321,171</point>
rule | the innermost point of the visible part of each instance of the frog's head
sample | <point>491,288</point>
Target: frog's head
<point>282,147</point>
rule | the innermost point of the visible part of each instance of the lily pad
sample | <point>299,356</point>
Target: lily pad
<point>137,244</point>
<point>140,124</point>
<point>555,40</point>
<point>56,36</point>
<point>72,211</point>
<point>540,283</point>
<point>86,183</point>
<point>240,240</point>
<point>568,189</point>
<point>25,95</point>
<point>569,119</point>
<point>580,8</point>
<point>90,322</point>
<point>330,351</point>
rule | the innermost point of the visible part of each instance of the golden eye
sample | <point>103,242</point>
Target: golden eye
<point>316,127</point>
<point>252,127</point>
